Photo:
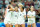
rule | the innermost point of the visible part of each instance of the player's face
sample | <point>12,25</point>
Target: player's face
<point>21,9</point>
<point>16,8</point>
<point>20,6</point>
<point>32,8</point>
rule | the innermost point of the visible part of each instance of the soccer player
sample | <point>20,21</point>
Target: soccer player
<point>21,17</point>
<point>31,17</point>
<point>7,19</point>
<point>20,5</point>
<point>14,18</point>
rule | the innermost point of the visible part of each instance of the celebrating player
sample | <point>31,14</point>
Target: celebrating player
<point>7,19</point>
<point>14,18</point>
<point>21,17</point>
<point>31,17</point>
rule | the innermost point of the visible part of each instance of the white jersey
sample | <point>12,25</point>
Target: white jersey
<point>7,17</point>
<point>8,14</point>
<point>21,19</point>
<point>14,18</point>
<point>14,14</point>
<point>21,14</point>
<point>31,20</point>
<point>20,10</point>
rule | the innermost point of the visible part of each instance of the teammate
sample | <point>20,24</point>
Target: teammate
<point>31,17</point>
<point>7,19</point>
<point>14,18</point>
<point>20,5</point>
<point>21,17</point>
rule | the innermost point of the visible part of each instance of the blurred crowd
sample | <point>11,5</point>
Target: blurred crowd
<point>26,4</point>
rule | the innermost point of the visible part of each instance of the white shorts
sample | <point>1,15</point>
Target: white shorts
<point>14,21</point>
<point>11,21</point>
<point>31,21</point>
<point>7,21</point>
<point>21,21</point>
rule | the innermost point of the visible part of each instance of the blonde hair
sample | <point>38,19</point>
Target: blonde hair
<point>20,4</point>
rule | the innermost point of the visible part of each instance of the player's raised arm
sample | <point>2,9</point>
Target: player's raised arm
<point>5,11</point>
<point>11,8</point>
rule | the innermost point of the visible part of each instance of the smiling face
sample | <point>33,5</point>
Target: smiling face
<point>20,6</point>
<point>22,9</point>
<point>32,8</point>
<point>16,8</point>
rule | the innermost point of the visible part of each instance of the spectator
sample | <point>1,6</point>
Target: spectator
<point>2,10</point>
<point>1,2</point>
<point>2,13</point>
<point>36,4</point>
<point>7,2</point>
<point>39,14</point>
<point>32,3</point>
<point>39,2</point>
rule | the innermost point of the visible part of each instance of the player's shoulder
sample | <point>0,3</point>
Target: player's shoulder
<point>29,11</point>
<point>34,11</point>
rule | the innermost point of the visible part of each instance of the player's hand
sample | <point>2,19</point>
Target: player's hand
<point>25,16</point>
<point>32,16</point>
<point>28,16</point>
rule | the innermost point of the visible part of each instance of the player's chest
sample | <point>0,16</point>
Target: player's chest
<point>15,14</point>
<point>21,14</point>
<point>31,13</point>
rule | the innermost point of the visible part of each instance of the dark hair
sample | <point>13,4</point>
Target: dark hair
<point>9,2</point>
<point>16,5</point>
<point>23,8</point>
<point>9,7</point>
<point>28,9</point>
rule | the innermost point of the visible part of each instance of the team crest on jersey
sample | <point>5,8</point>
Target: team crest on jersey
<point>20,14</point>
<point>15,15</point>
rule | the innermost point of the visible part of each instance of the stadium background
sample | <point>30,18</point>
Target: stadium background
<point>26,3</point>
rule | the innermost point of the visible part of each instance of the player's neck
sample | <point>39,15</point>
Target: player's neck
<point>22,10</point>
<point>16,11</point>
<point>31,10</point>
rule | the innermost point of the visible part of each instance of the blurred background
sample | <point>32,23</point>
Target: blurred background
<point>26,3</point>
